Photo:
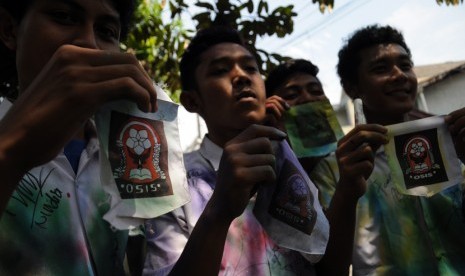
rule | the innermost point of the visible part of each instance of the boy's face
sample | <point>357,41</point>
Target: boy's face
<point>49,24</point>
<point>230,88</point>
<point>301,88</point>
<point>386,82</point>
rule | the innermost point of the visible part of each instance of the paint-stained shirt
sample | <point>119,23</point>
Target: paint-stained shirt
<point>399,234</point>
<point>248,249</point>
<point>53,222</point>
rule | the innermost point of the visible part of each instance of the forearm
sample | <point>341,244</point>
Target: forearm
<point>341,216</point>
<point>204,249</point>
<point>10,173</point>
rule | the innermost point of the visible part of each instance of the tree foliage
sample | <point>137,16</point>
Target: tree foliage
<point>449,2</point>
<point>158,37</point>
<point>158,44</point>
<point>159,40</point>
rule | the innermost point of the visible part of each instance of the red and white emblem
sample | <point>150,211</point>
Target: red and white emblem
<point>418,154</point>
<point>140,148</point>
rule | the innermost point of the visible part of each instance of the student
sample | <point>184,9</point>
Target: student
<point>67,63</point>
<point>396,234</point>
<point>217,232</point>
<point>292,83</point>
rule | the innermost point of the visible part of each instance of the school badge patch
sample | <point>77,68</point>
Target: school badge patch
<point>293,201</point>
<point>138,157</point>
<point>420,159</point>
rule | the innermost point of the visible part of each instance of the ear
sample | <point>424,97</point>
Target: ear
<point>191,101</point>
<point>8,28</point>
<point>351,90</point>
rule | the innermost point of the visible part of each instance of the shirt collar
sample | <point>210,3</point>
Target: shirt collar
<point>211,151</point>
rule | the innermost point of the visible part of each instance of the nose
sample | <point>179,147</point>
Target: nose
<point>85,37</point>
<point>304,97</point>
<point>398,73</point>
<point>307,96</point>
<point>240,77</point>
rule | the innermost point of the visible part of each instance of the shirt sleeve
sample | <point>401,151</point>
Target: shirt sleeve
<point>325,176</point>
<point>166,238</point>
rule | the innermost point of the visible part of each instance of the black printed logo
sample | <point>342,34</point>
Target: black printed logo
<point>292,200</point>
<point>420,158</point>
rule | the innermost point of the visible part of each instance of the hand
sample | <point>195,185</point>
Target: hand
<point>275,108</point>
<point>65,94</point>
<point>355,155</point>
<point>247,159</point>
<point>456,123</point>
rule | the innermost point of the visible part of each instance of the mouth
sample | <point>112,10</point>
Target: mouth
<point>245,94</point>
<point>400,92</point>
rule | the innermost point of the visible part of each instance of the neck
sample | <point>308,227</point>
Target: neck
<point>222,136</point>
<point>383,119</point>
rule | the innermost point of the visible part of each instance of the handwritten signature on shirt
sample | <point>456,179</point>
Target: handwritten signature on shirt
<point>31,194</point>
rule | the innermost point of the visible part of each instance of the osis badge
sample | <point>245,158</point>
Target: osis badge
<point>138,157</point>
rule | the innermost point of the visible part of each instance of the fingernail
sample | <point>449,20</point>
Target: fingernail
<point>281,133</point>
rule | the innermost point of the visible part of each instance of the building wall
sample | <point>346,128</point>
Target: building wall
<point>447,95</point>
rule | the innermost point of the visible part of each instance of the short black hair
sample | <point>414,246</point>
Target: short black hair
<point>349,55</point>
<point>17,9</point>
<point>202,41</point>
<point>282,72</point>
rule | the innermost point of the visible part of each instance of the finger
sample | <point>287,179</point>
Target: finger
<point>374,139</point>
<point>124,88</point>
<point>363,153</point>
<point>111,72</point>
<point>362,168</point>
<point>279,101</point>
<point>274,110</point>
<point>457,126</point>
<point>253,160</point>
<point>257,174</point>
<point>260,145</point>
<point>72,55</point>
<point>365,127</point>
<point>98,58</point>
<point>255,131</point>
<point>453,116</point>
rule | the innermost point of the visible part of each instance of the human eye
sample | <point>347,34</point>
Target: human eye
<point>251,68</point>
<point>108,32</point>
<point>315,89</point>
<point>290,94</point>
<point>218,70</point>
<point>406,65</point>
<point>379,68</point>
<point>64,17</point>
<point>316,92</point>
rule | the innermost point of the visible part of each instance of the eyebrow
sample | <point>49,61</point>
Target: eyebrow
<point>221,60</point>
<point>402,56</point>
<point>111,15</point>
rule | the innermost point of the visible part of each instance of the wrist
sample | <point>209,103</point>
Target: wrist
<point>213,213</point>
<point>348,193</point>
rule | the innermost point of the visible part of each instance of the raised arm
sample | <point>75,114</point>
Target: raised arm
<point>247,160</point>
<point>355,155</point>
<point>54,107</point>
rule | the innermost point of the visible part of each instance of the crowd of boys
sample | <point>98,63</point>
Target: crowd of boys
<point>66,63</point>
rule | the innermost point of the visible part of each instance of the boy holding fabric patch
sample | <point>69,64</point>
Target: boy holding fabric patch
<point>313,126</point>
<point>396,234</point>
<point>62,59</point>
<point>217,232</point>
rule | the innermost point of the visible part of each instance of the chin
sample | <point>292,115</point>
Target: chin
<point>254,117</point>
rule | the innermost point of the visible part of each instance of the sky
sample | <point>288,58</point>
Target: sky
<point>435,34</point>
